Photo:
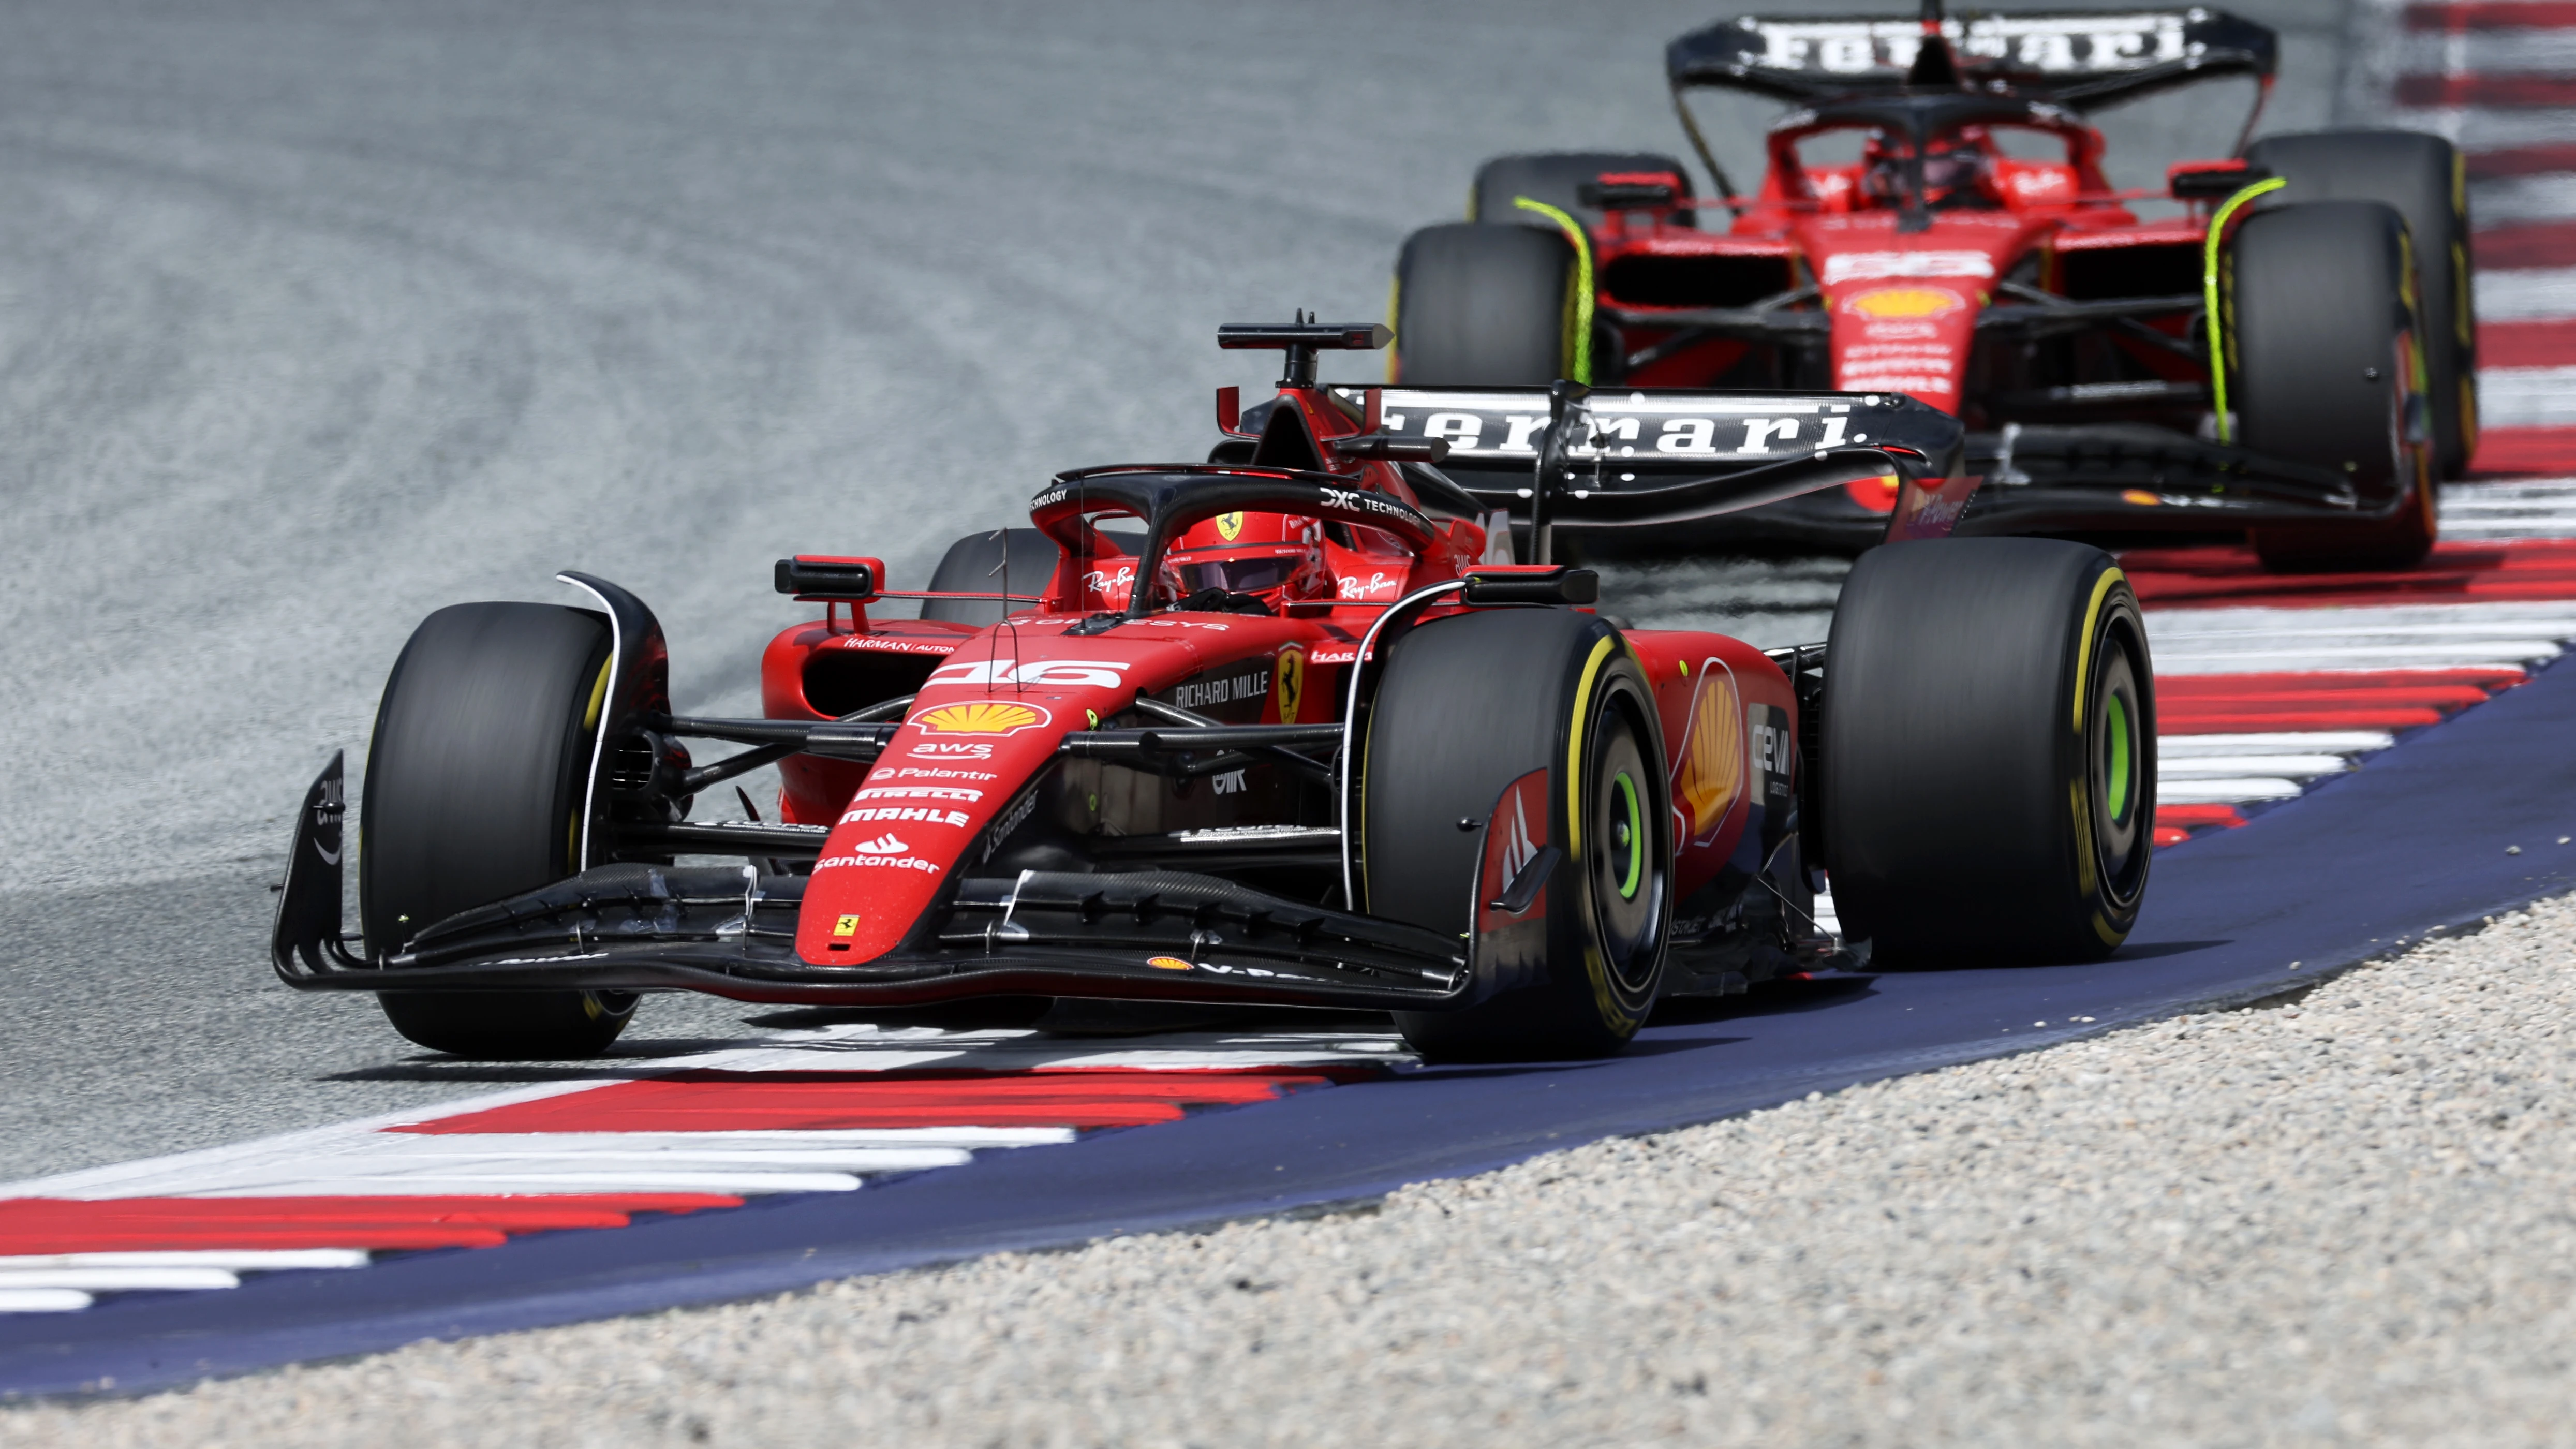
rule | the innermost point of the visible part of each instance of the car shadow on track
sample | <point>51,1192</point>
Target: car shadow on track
<point>2139,951</point>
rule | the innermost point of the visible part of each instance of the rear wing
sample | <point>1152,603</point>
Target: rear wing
<point>1652,457</point>
<point>2075,58</point>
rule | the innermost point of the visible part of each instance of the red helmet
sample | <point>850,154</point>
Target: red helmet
<point>1958,169</point>
<point>1276,558</point>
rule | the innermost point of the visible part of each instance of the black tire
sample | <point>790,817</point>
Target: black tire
<point>1974,814</point>
<point>2426,180</point>
<point>975,565</point>
<point>1483,305</point>
<point>474,793</point>
<point>1557,178</point>
<point>2323,368</point>
<point>1468,705</point>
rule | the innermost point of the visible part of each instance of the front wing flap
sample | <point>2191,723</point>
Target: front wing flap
<point>1151,935</point>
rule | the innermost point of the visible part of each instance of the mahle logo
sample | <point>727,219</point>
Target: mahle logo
<point>984,717</point>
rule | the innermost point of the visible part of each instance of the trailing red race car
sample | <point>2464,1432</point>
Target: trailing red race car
<point>1955,264</point>
<point>1213,762</point>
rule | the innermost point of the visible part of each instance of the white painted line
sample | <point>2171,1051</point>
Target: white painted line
<point>2517,50</point>
<point>237,1260</point>
<point>2487,654</point>
<point>536,1184</point>
<point>2224,792</point>
<point>970,1138</point>
<point>2485,128</point>
<point>2537,616</point>
<point>118,1280</point>
<point>43,1300</point>
<point>2536,530</point>
<point>546,1150</point>
<point>2506,200</point>
<point>2346,742</point>
<point>2232,767</point>
<point>2223,633</point>
<point>2526,295</point>
<point>2526,397</point>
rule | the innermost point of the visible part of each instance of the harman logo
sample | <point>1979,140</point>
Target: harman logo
<point>984,717</point>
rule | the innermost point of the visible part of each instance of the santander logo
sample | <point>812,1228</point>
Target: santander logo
<point>886,844</point>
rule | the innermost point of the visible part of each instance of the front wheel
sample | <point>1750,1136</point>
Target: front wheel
<point>1989,781</point>
<point>1532,727</point>
<point>475,787</point>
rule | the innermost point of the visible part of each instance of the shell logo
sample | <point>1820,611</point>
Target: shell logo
<point>985,717</point>
<point>1712,770</point>
<point>1168,963</point>
<point>1901,302</point>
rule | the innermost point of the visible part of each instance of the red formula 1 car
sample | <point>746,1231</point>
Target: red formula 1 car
<point>1974,256</point>
<point>1211,763</point>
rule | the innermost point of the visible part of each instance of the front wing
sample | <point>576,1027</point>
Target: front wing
<point>730,931</point>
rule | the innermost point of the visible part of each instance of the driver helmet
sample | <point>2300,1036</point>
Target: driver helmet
<point>1958,168</point>
<point>1277,558</point>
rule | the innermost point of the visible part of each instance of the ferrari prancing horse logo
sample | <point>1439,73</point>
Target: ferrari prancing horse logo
<point>1228,525</point>
<point>1288,683</point>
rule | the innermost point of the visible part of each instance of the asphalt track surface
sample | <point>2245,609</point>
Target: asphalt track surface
<point>314,318</point>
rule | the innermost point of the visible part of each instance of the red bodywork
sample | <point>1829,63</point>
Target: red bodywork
<point>994,704</point>
<point>1903,300</point>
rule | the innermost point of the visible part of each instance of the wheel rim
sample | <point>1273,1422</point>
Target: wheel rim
<point>2119,766</point>
<point>1625,853</point>
<point>1628,831</point>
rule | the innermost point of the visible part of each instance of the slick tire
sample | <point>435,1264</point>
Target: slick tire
<point>1989,768</point>
<point>1483,304</point>
<point>2324,367</point>
<point>980,563</point>
<point>2426,180</point>
<point>1469,705</point>
<point>1558,178</point>
<point>474,792</point>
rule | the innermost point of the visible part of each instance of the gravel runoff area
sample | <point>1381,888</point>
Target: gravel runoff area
<point>2348,1218</point>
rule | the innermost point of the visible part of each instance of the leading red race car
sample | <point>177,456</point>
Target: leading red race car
<point>2292,356</point>
<point>1200,764</point>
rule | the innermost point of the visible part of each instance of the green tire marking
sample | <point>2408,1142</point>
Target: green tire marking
<point>1582,241</point>
<point>1627,789</point>
<point>2116,718</point>
<point>2209,296</point>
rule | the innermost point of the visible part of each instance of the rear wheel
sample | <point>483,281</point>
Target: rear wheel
<point>2424,178</point>
<point>1558,178</point>
<point>1990,780</point>
<point>1470,706</point>
<point>1483,305</point>
<point>474,793</point>
<point>2324,367</point>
